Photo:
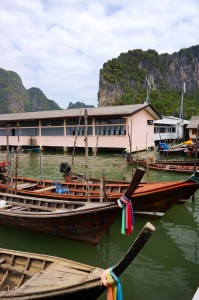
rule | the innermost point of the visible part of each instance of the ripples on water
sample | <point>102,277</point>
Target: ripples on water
<point>168,266</point>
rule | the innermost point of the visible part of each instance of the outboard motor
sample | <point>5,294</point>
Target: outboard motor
<point>65,168</point>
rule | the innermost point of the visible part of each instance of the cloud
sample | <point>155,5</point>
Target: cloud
<point>59,46</point>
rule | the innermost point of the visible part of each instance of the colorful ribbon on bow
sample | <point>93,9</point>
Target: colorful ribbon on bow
<point>112,282</point>
<point>127,215</point>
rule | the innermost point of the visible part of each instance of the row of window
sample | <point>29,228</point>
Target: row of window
<point>59,131</point>
<point>69,122</point>
<point>164,129</point>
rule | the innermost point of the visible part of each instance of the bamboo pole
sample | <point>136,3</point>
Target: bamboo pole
<point>195,160</point>
<point>147,163</point>
<point>95,152</point>
<point>75,141</point>
<point>40,162</point>
<point>8,158</point>
<point>16,168</point>
<point>86,155</point>
<point>12,168</point>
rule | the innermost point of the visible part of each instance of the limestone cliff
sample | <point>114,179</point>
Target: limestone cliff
<point>125,80</point>
<point>15,98</point>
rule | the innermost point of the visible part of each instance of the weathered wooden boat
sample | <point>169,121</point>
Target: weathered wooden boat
<point>82,221</point>
<point>151,200</point>
<point>94,190</point>
<point>187,162</point>
<point>192,150</point>
<point>28,276</point>
<point>164,150</point>
<point>186,169</point>
<point>182,162</point>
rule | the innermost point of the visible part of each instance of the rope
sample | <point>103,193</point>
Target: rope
<point>127,215</point>
<point>112,282</point>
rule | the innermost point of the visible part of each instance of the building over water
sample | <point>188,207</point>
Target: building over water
<point>193,127</point>
<point>170,129</point>
<point>113,127</point>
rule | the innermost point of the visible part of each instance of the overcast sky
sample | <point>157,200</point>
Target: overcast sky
<point>59,46</point>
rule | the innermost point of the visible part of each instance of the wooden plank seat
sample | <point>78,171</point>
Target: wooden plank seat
<point>6,206</point>
<point>18,208</point>
<point>25,185</point>
<point>48,188</point>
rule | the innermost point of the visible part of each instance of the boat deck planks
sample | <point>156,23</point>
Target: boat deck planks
<point>28,276</point>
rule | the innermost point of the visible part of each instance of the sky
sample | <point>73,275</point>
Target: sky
<point>59,46</point>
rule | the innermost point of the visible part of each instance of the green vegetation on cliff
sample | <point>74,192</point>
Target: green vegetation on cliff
<point>14,98</point>
<point>125,80</point>
<point>39,101</point>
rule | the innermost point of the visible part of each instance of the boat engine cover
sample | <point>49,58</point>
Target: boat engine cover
<point>65,168</point>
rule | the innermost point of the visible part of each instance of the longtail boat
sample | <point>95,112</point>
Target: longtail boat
<point>82,221</point>
<point>151,200</point>
<point>188,162</point>
<point>182,162</point>
<point>185,169</point>
<point>28,276</point>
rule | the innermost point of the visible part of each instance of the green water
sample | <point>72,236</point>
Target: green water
<point>168,266</point>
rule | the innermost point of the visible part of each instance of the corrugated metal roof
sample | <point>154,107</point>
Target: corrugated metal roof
<point>170,120</point>
<point>194,122</point>
<point>98,111</point>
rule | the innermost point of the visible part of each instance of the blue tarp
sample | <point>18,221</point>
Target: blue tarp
<point>163,146</point>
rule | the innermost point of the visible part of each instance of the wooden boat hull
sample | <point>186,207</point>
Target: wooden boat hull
<point>151,200</point>
<point>87,223</point>
<point>46,272</point>
<point>178,162</point>
<point>29,276</point>
<point>185,169</point>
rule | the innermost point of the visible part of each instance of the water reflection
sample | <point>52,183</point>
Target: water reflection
<point>167,267</point>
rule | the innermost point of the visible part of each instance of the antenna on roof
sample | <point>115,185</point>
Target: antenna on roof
<point>182,102</point>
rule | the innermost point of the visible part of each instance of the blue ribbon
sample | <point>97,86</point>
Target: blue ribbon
<point>119,295</point>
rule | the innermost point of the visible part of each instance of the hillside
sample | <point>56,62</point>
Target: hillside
<point>78,105</point>
<point>125,80</point>
<point>15,98</point>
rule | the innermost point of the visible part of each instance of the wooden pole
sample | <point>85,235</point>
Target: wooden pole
<point>95,152</point>
<point>195,160</point>
<point>8,158</point>
<point>16,169</point>
<point>12,169</point>
<point>130,149</point>
<point>147,163</point>
<point>86,155</point>
<point>75,141</point>
<point>40,162</point>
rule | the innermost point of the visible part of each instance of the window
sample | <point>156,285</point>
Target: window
<point>73,130</point>
<point>149,122</point>
<point>75,121</point>
<point>52,122</point>
<point>2,132</point>
<point>194,131</point>
<point>52,131</point>
<point>28,123</point>
<point>28,132</point>
<point>110,130</point>
<point>103,121</point>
